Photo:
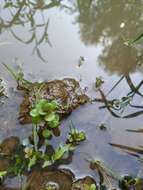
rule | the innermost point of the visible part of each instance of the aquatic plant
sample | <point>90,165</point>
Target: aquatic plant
<point>2,175</point>
<point>75,136</point>
<point>129,182</point>
<point>117,105</point>
<point>90,187</point>
<point>40,155</point>
<point>105,173</point>
<point>98,83</point>
<point>45,110</point>
<point>133,41</point>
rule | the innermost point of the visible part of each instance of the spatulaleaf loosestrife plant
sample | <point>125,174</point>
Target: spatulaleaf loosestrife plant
<point>44,111</point>
<point>41,156</point>
<point>75,136</point>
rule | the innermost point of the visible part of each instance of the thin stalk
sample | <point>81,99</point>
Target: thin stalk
<point>11,71</point>
<point>35,136</point>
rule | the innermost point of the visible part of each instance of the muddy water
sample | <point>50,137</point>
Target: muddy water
<point>91,32</point>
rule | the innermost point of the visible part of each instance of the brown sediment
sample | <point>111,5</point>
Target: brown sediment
<point>62,178</point>
<point>66,92</point>
<point>7,147</point>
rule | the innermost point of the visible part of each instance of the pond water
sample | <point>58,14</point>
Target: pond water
<point>82,40</point>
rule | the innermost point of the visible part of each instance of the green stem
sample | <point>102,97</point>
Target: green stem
<point>35,137</point>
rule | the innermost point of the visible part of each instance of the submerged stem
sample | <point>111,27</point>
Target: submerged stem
<point>35,136</point>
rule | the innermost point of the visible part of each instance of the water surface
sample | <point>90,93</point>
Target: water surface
<point>95,30</point>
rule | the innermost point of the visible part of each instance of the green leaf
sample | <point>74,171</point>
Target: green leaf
<point>36,120</point>
<point>50,117</point>
<point>54,124</point>
<point>41,112</point>
<point>82,136</point>
<point>60,151</point>
<point>34,113</point>
<point>47,163</point>
<point>54,104</point>
<point>92,187</point>
<point>50,106</point>
<point>40,105</point>
<point>46,133</point>
<point>3,173</point>
<point>32,162</point>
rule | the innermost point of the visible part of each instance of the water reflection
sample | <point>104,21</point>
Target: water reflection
<point>117,106</point>
<point>111,23</point>
<point>30,15</point>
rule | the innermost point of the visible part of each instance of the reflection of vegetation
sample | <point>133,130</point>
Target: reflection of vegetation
<point>137,39</point>
<point>1,89</point>
<point>100,21</point>
<point>117,106</point>
<point>105,173</point>
<point>24,13</point>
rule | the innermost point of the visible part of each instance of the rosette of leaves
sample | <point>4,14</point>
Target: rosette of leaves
<point>45,111</point>
<point>75,136</point>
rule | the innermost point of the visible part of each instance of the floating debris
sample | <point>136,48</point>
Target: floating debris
<point>81,61</point>
<point>98,83</point>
